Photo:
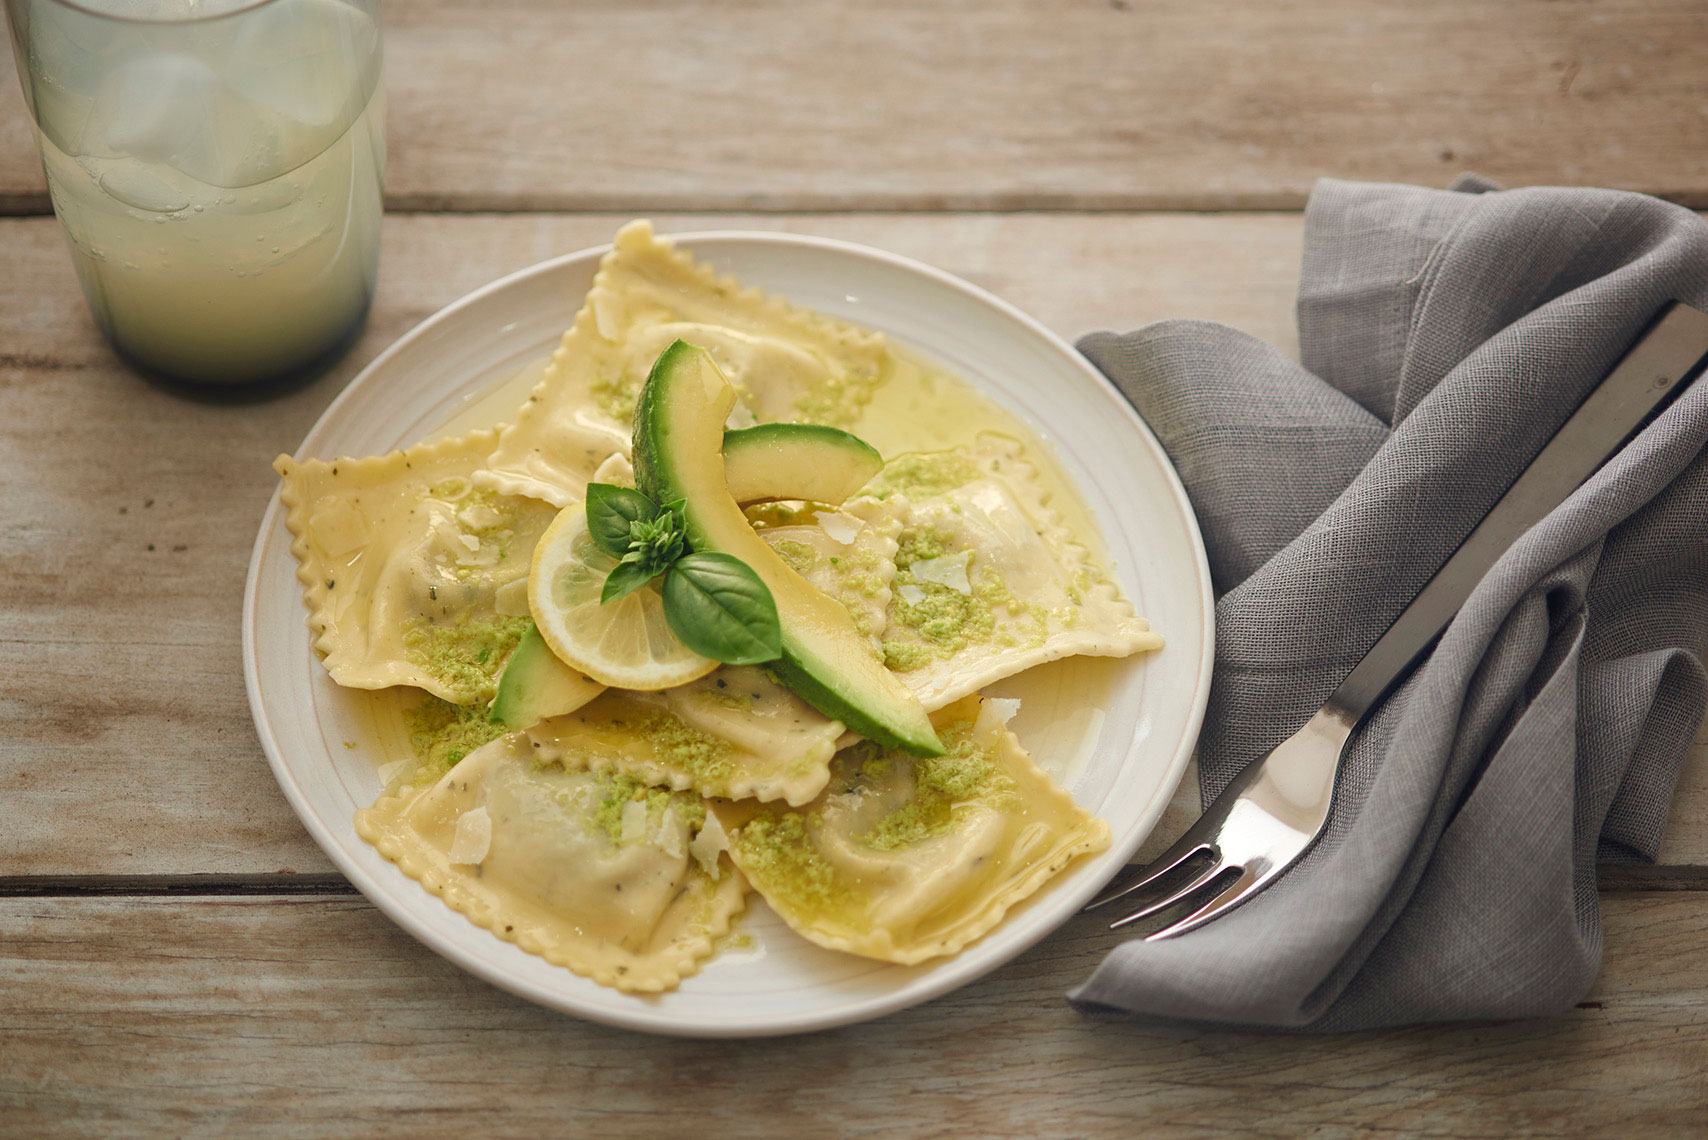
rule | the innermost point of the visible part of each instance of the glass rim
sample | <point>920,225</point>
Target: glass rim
<point>161,21</point>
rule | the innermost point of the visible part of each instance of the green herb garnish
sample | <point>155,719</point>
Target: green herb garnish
<point>715,604</point>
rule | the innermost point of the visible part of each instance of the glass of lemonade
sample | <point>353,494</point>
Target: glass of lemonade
<point>217,166</point>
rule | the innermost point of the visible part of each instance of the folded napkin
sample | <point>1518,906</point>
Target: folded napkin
<point>1445,335</point>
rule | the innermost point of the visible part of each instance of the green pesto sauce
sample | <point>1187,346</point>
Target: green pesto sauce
<point>616,395</point>
<point>946,621</point>
<point>620,790</point>
<point>467,656</point>
<point>776,850</point>
<point>944,786</point>
<point>441,734</point>
<point>839,400</point>
<point>923,474</point>
<point>706,760</point>
<point>798,556</point>
<point>922,544</point>
<point>905,656</point>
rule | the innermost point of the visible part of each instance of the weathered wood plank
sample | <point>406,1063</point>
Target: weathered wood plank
<point>130,750</point>
<point>1013,104</point>
<point>317,1017</point>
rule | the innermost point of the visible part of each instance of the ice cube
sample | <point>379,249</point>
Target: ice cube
<point>311,63</point>
<point>175,110</point>
<point>149,108</point>
<point>240,113</point>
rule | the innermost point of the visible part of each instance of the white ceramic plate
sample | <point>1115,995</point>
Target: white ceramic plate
<point>323,741</point>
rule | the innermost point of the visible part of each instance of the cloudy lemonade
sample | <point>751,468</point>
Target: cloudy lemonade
<point>218,177</point>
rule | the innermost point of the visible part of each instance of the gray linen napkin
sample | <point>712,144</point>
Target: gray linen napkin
<point>1445,335</point>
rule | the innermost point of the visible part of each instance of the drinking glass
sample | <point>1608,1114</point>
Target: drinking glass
<point>216,165</point>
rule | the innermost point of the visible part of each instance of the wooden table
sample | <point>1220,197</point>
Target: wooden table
<point>178,959</point>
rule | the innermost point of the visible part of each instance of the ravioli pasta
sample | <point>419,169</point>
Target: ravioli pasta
<point>735,732</point>
<point>786,364</point>
<point>589,871</point>
<point>907,859</point>
<point>850,559</point>
<point>403,563</point>
<point>988,581</point>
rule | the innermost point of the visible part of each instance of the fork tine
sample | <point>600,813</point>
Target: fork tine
<point>1198,880</point>
<point>1235,893</point>
<point>1184,848</point>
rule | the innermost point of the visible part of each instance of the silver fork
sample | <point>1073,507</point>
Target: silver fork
<point>1276,807</point>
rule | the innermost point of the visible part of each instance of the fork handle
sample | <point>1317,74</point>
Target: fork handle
<point>1652,371</point>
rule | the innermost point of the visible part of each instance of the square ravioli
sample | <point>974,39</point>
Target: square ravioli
<point>735,732</point>
<point>988,582</point>
<point>621,883</point>
<point>787,364</point>
<point>906,859</point>
<point>411,574</point>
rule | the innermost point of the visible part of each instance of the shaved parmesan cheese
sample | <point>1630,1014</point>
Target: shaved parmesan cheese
<point>707,845</point>
<point>479,517</point>
<point>994,712</point>
<point>485,556</point>
<point>616,470</point>
<point>473,837</point>
<point>841,528</point>
<point>910,593</point>
<point>469,541</point>
<point>511,599</point>
<point>670,833</point>
<point>949,570</point>
<point>634,821</point>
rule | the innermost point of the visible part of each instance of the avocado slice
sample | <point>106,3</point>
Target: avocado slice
<point>678,454</point>
<point>797,461</point>
<point>537,685</point>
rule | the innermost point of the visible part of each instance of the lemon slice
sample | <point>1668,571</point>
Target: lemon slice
<point>627,644</point>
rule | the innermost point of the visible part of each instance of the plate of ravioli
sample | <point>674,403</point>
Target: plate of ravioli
<point>911,649</point>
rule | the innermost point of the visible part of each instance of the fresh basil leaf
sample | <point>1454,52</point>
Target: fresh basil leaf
<point>718,607</point>
<point>624,579</point>
<point>611,510</point>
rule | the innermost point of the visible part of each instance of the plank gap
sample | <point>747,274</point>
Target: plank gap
<point>1622,879</point>
<point>172,886</point>
<point>38,205</point>
<point>1626,877</point>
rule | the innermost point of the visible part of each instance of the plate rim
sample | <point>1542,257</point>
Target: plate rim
<point>644,1018</point>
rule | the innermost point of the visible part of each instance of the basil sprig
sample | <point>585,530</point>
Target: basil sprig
<point>714,603</point>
